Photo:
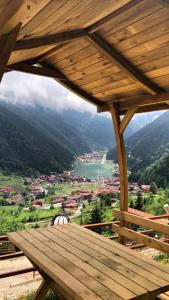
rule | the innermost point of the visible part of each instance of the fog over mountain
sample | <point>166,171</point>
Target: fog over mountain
<point>43,125</point>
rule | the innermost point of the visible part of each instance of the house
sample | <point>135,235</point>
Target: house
<point>58,200</point>
<point>36,203</point>
<point>71,205</point>
<point>86,196</point>
<point>145,188</point>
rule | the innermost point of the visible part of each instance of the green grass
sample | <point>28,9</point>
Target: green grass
<point>86,212</point>
<point>13,181</point>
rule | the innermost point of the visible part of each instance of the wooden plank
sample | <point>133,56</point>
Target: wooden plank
<point>161,270</point>
<point>143,222</point>
<point>69,85</point>
<point>116,58</point>
<point>64,280</point>
<point>16,272</point>
<point>123,276</point>
<point>96,26</point>
<point>139,38</point>
<point>95,289</point>
<point>142,24</point>
<point>138,11</point>
<point>6,46</point>
<point>43,14</point>
<point>141,238</point>
<point>143,102</point>
<point>19,11</point>
<point>50,239</point>
<point>121,159</point>
<point>49,39</point>
<point>119,259</point>
<point>26,68</point>
<point>127,118</point>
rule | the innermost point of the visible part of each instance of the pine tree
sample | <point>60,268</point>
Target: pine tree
<point>138,204</point>
<point>153,188</point>
<point>96,217</point>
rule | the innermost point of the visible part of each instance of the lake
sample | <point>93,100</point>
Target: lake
<point>93,170</point>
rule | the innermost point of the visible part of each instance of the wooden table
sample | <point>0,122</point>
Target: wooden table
<point>80,264</point>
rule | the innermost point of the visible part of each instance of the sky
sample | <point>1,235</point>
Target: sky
<point>17,87</point>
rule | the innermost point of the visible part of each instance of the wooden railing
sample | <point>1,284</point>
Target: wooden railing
<point>128,218</point>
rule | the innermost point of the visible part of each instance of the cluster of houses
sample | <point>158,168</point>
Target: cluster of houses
<point>94,157</point>
<point>39,187</point>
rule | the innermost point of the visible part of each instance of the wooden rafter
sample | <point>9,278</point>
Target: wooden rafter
<point>26,68</point>
<point>109,52</point>
<point>61,37</point>
<point>127,118</point>
<point>71,86</point>
<point>7,44</point>
<point>140,101</point>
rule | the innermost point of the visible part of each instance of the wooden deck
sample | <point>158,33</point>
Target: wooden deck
<point>80,264</point>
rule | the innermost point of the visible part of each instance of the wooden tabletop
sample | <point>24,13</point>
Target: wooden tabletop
<point>88,266</point>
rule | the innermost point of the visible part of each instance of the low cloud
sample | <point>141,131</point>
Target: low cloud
<point>29,89</point>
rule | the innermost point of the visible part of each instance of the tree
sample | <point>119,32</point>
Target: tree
<point>131,204</point>
<point>139,204</point>
<point>153,188</point>
<point>96,217</point>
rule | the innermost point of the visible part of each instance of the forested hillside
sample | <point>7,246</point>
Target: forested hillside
<point>28,144</point>
<point>37,139</point>
<point>148,148</point>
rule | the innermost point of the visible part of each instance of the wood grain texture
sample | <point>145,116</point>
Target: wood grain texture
<point>83,265</point>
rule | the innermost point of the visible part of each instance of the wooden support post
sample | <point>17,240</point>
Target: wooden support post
<point>122,163</point>
<point>42,291</point>
<point>127,118</point>
<point>7,43</point>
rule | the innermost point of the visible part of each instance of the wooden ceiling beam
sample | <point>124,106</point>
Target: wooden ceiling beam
<point>61,37</point>
<point>109,52</point>
<point>26,68</point>
<point>71,86</point>
<point>7,43</point>
<point>144,100</point>
<point>141,101</point>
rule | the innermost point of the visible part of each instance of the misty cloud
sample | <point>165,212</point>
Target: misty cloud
<point>29,89</point>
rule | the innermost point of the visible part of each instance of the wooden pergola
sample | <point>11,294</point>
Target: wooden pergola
<point>114,54</point>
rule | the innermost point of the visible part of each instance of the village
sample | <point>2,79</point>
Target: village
<point>56,192</point>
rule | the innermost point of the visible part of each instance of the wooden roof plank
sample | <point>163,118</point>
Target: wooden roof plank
<point>116,58</point>
<point>69,85</point>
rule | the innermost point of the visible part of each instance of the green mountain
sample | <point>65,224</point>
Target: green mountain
<point>98,128</point>
<point>38,139</point>
<point>158,171</point>
<point>30,142</point>
<point>146,147</point>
